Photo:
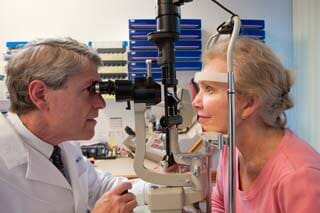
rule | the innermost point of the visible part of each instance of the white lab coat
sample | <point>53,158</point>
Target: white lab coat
<point>30,183</point>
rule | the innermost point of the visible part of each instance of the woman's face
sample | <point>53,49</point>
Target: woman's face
<point>212,102</point>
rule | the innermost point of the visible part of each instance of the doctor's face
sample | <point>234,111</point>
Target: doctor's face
<point>73,108</point>
<point>211,101</point>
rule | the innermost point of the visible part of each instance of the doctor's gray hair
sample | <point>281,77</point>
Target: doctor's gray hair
<point>52,61</point>
<point>259,72</point>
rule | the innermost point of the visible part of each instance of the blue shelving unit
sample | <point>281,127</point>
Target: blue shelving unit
<point>187,47</point>
<point>253,28</point>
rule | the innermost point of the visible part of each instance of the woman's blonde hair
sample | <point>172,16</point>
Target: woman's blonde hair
<point>258,72</point>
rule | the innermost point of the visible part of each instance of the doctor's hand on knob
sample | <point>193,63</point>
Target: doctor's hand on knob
<point>118,200</point>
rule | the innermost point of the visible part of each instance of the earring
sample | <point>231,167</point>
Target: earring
<point>243,117</point>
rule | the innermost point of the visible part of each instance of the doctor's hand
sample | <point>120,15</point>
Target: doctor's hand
<point>118,200</point>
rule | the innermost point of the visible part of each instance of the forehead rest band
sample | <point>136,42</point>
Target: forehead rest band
<point>211,76</point>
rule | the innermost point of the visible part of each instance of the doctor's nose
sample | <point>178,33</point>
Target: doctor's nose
<point>99,102</point>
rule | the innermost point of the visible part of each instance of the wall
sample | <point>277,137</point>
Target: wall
<point>101,20</point>
<point>306,29</point>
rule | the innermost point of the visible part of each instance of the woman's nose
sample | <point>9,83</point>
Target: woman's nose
<point>197,103</point>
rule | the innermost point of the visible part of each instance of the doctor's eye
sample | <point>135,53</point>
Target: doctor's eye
<point>91,89</point>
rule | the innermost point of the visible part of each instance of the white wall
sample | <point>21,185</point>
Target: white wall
<point>306,28</point>
<point>102,20</point>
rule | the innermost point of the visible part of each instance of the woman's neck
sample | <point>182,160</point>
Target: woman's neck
<point>258,142</point>
<point>256,146</point>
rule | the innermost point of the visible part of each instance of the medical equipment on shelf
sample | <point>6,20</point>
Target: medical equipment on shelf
<point>178,190</point>
<point>154,145</point>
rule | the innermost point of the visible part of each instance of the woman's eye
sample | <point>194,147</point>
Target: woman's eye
<point>209,89</point>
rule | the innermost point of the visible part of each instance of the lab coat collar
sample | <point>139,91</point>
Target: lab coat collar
<point>42,170</point>
<point>28,137</point>
<point>12,150</point>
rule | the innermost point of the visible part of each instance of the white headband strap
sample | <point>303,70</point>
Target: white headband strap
<point>211,76</point>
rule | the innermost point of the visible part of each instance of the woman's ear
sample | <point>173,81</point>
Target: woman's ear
<point>249,106</point>
<point>37,92</point>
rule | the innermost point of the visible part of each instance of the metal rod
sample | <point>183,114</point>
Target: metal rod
<point>232,117</point>
<point>209,150</point>
<point>149,68</point>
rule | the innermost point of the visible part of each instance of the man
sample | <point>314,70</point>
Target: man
<point>49,85</point>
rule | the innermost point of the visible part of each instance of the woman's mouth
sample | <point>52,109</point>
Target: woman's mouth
<point>202,118</point>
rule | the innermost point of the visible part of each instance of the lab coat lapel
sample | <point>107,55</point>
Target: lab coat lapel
<point>15,152</point>
<point>41,169</point>
<point>12,150</point>
<point>78,181</point>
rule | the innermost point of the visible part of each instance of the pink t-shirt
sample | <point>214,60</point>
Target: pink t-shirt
<point>288,183</point>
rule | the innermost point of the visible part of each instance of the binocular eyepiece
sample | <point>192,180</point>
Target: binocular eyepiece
<point>104,87</point>
<point>142,90</point>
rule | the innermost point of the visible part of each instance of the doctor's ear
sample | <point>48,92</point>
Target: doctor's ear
<point>37,92</point>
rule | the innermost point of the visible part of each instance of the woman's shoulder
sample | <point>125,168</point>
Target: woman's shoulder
<point>298,152</point>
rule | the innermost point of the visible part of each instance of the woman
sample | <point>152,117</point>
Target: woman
<point>276,170</point>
